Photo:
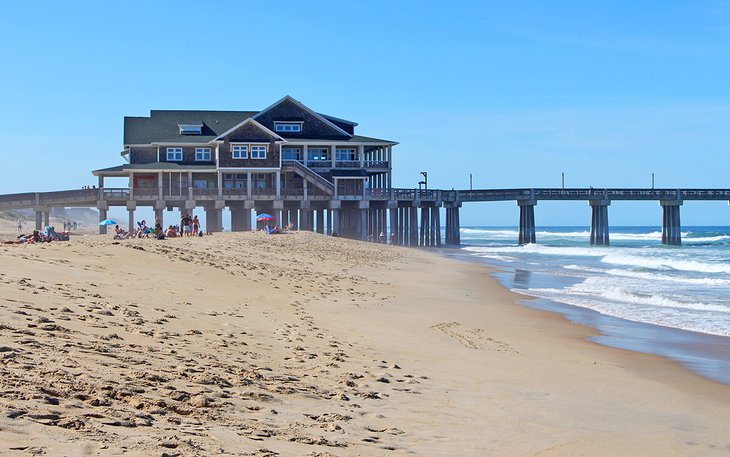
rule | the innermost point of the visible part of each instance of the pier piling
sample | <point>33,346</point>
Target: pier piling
<point>527,221</point>
<point>599,222</point>
<point>671,226</point>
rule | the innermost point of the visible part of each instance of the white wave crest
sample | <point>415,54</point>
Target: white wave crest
<point>649,276</point>
<point>652,309</point>
<point>663,263</point>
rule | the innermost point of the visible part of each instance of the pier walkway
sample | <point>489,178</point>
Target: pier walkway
<point>413,216</point>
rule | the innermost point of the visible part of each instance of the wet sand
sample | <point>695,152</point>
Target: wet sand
<point>247,344</point>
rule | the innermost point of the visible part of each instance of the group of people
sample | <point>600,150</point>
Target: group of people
<point>276,230</point>
<point>189,226</point>
<point>40,236</point>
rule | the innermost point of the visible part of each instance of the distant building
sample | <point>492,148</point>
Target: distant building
<point>307,168</point>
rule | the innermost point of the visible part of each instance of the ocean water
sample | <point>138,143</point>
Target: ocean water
<point>668,300</point>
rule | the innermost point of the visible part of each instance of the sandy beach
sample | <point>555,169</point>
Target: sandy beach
<point>306,345</point>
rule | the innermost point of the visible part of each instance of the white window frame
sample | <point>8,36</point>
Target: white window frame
<point>257,149</point>
<point>203,154</point>
<point>242,151</point>
<point>172,154</point>
<point>288,127</point>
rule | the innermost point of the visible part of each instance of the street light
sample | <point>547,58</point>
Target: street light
<point>563,179</point>
<point>652,180</point>
<point>471,187</point>
<point>425,180</point>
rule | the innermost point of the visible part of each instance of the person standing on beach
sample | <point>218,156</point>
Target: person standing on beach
<point>186,222</point>
<point>20,225</point>
<point>196,225</point>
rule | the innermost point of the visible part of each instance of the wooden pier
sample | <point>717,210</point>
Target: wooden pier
<point>407,217</point>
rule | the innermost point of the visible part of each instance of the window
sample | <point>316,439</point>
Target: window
<point>202,153</point>
<point>175,154</point>
<point>291,153</point>
<point>318,154</point>
<point>258,152</point>
<point>345,155</point>
<point>288,126</point>
<point>239,151</point>
<point>191,128</point>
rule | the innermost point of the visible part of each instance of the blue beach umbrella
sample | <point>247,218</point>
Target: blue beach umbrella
<point>108,222</point>
<point>264,217</point>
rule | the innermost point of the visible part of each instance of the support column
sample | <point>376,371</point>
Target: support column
<point>102,206</point>
<point>131,207</point>
<point>46,219</point>
<point>320,221</point>
<point>413,225</point>
<point>424,223</point>
<point>432,226</point>
<point>214,217</point>
<point>449,226</point>
<point>394,227</point>
<point>304,215</point>
<point>238,217</point>
<point>102,216</point>
<point>438,225</point>
<point>599,222</point>
<point>39,220</point>
<point>671,225</point>
<point>160,216</point>
<point>335,222</point>
<point>527,221</point>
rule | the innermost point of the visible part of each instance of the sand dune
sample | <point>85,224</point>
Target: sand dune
<point>247,344</point>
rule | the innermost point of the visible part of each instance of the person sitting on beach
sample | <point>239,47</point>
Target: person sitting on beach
<point>143,231</point>
<point>120,234</point>
<point>171,232</point>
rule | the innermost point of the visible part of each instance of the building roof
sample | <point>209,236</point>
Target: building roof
<point>162,126</point>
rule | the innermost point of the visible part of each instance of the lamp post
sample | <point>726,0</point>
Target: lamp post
<point>471,187</point>
<point>652,180</point>
<point>562,176</point>
<point>425,180</point>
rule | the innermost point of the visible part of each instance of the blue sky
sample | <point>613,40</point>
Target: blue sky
<point>515,93</point>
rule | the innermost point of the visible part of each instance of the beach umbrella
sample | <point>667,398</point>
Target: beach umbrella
<point>108,222</point>
<point>264,217</point>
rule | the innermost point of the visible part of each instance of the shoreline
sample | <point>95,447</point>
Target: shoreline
<point>704,354</point>
<point>312,345</point>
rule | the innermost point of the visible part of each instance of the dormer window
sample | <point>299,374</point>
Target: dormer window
<point>288,127</point>
<point>191,128</point>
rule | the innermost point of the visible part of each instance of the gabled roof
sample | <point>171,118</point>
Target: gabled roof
<point>247,121</point>
<point>303,107</point>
